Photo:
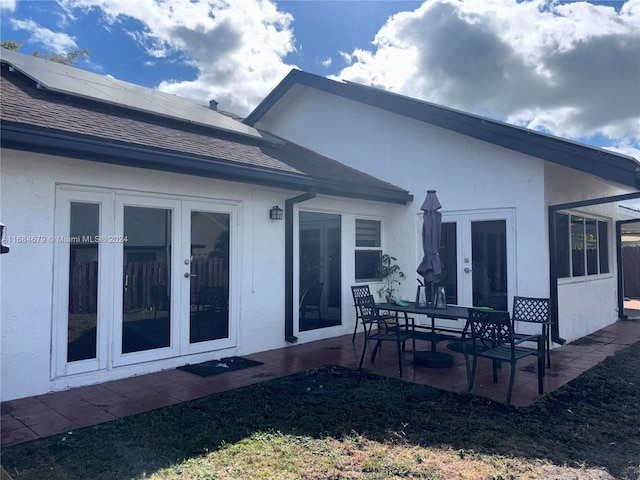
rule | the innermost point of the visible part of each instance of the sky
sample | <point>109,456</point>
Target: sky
<point>566,68</point>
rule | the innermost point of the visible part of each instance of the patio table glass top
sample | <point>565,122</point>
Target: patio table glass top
<point>452,312</point>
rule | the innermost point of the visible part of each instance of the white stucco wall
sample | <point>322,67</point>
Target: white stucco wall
<point>585,304</point>
<point>28,196</point>
<point>469,175</point>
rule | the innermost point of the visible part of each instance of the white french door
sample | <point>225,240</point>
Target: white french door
<point>207,252</point>
<point>147,293</point>
<point>140,278</point>
<point>174,268</point>
<point>478,252</point>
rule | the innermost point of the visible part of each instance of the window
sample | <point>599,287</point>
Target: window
<point>368,254</point>
<point>582,246</point>
<point>577,246</point>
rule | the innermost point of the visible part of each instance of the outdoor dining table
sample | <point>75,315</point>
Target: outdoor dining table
<point>430,333</point>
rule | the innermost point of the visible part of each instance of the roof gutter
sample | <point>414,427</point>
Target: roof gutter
<point>288,262</point>
<point>45,141</point>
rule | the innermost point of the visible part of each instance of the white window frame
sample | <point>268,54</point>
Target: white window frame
<point>59,364</point>
<point>360,249</point>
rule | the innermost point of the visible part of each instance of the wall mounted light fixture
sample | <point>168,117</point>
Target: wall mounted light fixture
<point>275,213</point>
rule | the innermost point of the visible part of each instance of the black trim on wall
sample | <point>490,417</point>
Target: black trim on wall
<point>553,274</point>
<point>288,262</point>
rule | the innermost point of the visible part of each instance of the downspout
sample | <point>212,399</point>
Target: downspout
<point>553,280</point>
<point>620,271</point>
<point>288,262</point>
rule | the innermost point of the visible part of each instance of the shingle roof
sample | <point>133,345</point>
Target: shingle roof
<point>596,161</point>
<point>37,119</point>
<point>66,79</point>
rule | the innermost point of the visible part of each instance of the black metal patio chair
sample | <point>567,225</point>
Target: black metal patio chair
<point>489,334</point>
<point>380,328</point>
<point>533,310</point>
<point>359,292</point>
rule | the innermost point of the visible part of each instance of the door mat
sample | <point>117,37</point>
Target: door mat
<point>216,367</point>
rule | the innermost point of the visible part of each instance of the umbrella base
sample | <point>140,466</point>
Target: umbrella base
<point>433,359</point>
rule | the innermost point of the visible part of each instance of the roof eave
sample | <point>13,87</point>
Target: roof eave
<point>27,138</point>
<point>602,163</point>
<point>293,77</point>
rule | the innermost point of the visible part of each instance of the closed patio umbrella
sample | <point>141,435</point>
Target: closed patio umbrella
<point>430,267</point>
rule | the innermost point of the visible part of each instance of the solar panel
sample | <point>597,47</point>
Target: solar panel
<point>81,83</point>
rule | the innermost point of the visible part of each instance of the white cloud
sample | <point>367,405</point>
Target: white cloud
<point>55,41</point>
<point>570,69</point>
<point>9,5</point>
<point>237,46</point>
<point>346,57</point>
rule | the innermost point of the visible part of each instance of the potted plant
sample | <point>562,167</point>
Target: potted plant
<point>390,274</point>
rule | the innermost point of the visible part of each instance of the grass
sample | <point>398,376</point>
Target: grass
<point>340,424</point>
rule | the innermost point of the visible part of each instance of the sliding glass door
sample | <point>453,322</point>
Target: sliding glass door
<point>320,260</point>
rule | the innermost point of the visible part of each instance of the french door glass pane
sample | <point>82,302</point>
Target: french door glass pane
<point>449,257</point>
<point>146,322</point>
<point>209,298</point>
<point>489,268</point>
<point>83,281</point>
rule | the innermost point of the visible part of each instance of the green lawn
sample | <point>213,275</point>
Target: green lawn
<point>337,423</point>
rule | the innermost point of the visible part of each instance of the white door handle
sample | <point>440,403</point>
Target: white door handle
<point>467,270</point>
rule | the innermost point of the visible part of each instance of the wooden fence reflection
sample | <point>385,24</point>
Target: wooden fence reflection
<point>138,280</point>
